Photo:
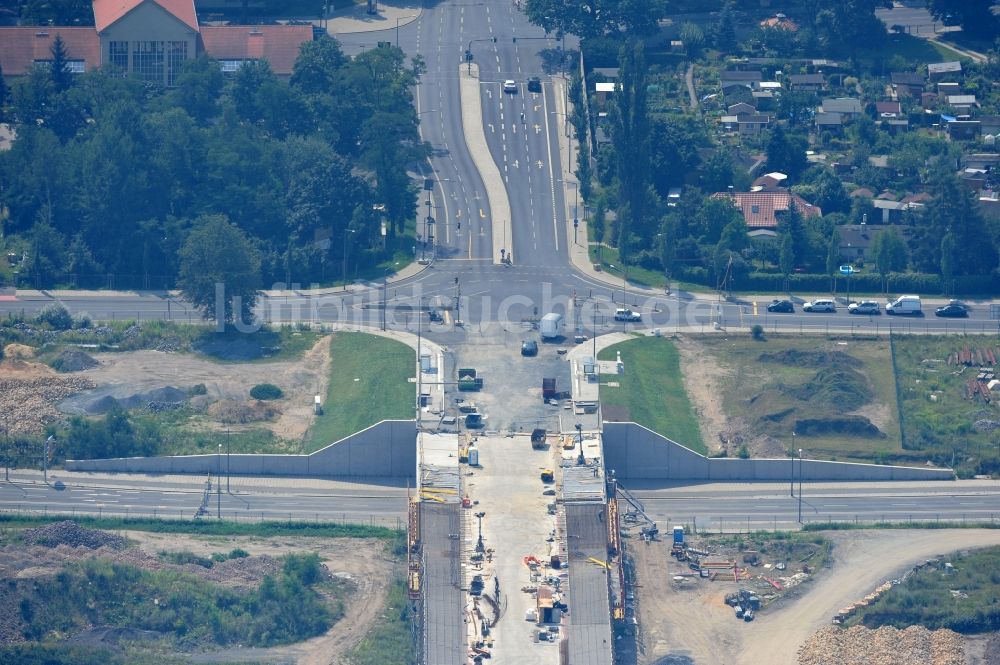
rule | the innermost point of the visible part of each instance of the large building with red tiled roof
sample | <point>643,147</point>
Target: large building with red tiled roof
<point>764,210</point>
<point>151,39</point>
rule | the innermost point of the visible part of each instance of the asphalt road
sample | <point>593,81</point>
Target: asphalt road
<point>715,506</point>
<point>181,497</point>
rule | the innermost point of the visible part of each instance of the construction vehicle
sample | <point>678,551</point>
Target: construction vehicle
<point>548,476</point>
<point>548,389</point>
<point>538,438</point>
<point>468,380</point>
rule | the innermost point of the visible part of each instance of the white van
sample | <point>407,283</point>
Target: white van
<point>908,305</point>
<point>551,326</point>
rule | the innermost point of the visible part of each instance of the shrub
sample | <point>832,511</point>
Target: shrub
<point>757,332</point>
<point>266,391</point>
<point>744,452</point>
<point>56,316</point>
<point>82,321</point>
<point>197,389</point>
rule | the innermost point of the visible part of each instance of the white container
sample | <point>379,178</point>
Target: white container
<point>473,456</point>
<point>551,326</point>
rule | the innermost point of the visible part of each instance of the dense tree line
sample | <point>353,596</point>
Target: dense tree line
<point>109,175</point>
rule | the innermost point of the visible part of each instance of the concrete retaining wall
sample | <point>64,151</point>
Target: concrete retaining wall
<point>385,450</point>
<point>635,452</point>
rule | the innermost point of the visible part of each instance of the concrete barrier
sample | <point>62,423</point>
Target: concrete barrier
<point>635,452</point>
<point>387,449</point>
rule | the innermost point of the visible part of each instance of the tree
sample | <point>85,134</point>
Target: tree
<point>786,257</point>
<point>830,193</point>
<point>318,66</point>
<point>725,32</point>
<point>673,148</point>
<point>59,72</point>
<point>4,94</point>
<point>693,38</point>
<point>597,18</point>
<point>199,85</point>
<point>889,251</point>
<point>57,12</point>
<point>948,261</point>
<point>786,154</point>
<point>833,257</point>
<point>630,134</point>
<point>220,267</point>
<point>975,16</point>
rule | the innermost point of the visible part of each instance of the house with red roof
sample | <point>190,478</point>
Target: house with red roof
<point>764,210</point>
<point>151,39</point>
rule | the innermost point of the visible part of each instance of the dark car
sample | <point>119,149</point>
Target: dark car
<point>534,84</point>
<point>784,306</point>
<point>529,347</point>
<point>952,310</point>
<point>435,316</point>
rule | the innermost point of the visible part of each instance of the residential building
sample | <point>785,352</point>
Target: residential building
<point>769,182</point>
<point>151,39</point>
<point>741,108</point>
<point>856,239</point>
<point>753,125</point>
<point>888,109</point>
<point>746,79</point>
<point>937,71</point>
<point>963,130</point>
<point>830,122</point>
<point>764,210</point>
<point>763,100</point>
<point>846,105</point>
<point>962,102</point>
<point>807,82</point>
<point>908,83</point>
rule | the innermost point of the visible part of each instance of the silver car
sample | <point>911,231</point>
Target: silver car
<point>865,307</point>
<point>820,305</point>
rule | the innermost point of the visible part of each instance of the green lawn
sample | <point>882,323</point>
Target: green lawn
<point>651,392</point>
<point>390,641</point>
<point>914,49</point>
<point>369,382</point>
<point>607,258</point>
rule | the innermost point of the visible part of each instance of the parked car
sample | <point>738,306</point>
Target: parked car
<point>534,84</point>
<point>905,305</point>
<point>529,347</point>
<point>510,86</point>
<point>435,316</point>
<point>954,310</point>
<point>783,306</point>
<point>622,314</point>
<point>864,307</point>
<point>820,305</point>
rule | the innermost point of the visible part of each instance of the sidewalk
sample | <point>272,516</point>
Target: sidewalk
<point>391,14</point>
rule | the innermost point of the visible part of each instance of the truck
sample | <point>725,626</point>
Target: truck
<point>550,326</point>
<point>905,305</point>
<point>468,380</point>
<point>548,389</point>
<point>537,438</point>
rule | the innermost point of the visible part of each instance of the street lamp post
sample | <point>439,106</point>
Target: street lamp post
<point>385,289</point>
<point>800,486</point>
<point>228,466</point>
<point>595,330</point>
<point>45,459</point>
<point>344,257</point>
<point>480,547</point>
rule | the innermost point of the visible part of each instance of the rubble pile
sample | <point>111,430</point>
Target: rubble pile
<point>72,534</point>
<point>884,646</point>
<point>28,402</point>
<point>72,360</point>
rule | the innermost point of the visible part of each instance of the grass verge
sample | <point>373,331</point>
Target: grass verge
<point>849,526</point>
<point>958,592</point>
<point>208,528</point>
<point>651,392</point>
<point>390,641</point>
<point>369,382</point>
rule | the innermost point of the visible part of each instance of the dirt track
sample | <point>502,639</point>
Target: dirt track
<point>694,626</point>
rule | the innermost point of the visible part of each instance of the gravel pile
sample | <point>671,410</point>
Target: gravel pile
<point>985,425</point>
<point>72,360</point>
<point>29,402</point>
<point>72,534</point>
<point>885,646</point>
<point>170,345</point>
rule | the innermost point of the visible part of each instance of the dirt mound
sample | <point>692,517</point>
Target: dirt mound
<point>72,360</point>
<point>844,425</point>
<point>236,349</point>
<point>800,358</point>
<point>842,388</point>
<point>72,534</point>
<point>158,399</point>
<point>232,412</point>
<point>18,352</point>
<point>862,646</point>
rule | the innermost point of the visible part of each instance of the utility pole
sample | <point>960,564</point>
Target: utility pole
<point>458,303</point>
<point>791,480</point>
<point>45,460</point>
<point>595,330</point>
<point>228,467</point>
<point>218,487</point>
<point>344,274</point>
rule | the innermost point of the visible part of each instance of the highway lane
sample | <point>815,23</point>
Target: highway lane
<point>714,506</point>
<point>182,496</point>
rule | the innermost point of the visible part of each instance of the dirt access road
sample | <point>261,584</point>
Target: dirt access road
<point>693,626</point>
